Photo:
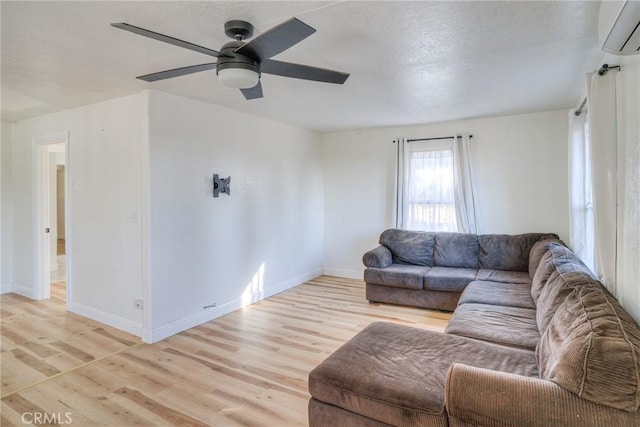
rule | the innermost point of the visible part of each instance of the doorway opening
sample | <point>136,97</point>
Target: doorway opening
<point>57,240</point>
<point>51,218</point>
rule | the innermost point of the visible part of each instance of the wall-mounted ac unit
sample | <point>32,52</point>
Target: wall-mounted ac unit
<point>619,26</point>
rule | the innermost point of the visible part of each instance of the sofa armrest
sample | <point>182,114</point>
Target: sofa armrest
<point>379,257</point>
<point>475,396</point>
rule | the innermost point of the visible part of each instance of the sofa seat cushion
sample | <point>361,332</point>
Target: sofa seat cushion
<point>503,276</point>
<point>396,374</point>
<point>412,297</point>
<point>449,278</point>
<point>512,326</point>
<point>496,293</point>
<point>397,276</point>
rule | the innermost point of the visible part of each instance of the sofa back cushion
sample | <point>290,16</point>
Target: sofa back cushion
<point>542,274</point>
<point>562,281</point>
<point>538,249</point>
<point>552,261</point>
<point>456,250</point>
<point>507,252</point>
<point>592,348</point>
<point>409,247</point>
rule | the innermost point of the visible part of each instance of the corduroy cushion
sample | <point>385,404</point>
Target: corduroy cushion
<point>396,374</point>
<point>592,348</point>
<point>496,293</point>
<point>409,247</point>
<point>480,397</point>
<point>456,250</point>
<point>507,252</point>
<point>542,274</point>
<point>558,258</point>
<point>537,251</point>
<point>560,284</point>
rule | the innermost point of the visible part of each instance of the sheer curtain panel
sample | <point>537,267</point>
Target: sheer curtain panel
<point>434,189</point>
<point>401,178</point>
<point>581,208</point>
<point>431,204</point>
<point>601,101</point>
<point>463,185</point>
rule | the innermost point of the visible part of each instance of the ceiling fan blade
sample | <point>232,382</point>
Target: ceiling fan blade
<point>297,71</point>
<point>176,72</point>
<point>167,39</point>
<point>277,39</point>
<point>253,92</point>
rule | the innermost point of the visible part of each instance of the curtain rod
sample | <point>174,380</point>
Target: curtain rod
<point>434,139</point>
<point>579,110</point>
<point>606,67</point>
<point>601,72</point>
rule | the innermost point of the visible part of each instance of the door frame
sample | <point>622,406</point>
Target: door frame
<point>41,239</point>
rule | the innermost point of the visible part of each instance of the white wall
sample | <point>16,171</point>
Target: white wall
<point>520,165</point>
<point>104,250</point>
<point>264,238</point>
<point>6,212</point>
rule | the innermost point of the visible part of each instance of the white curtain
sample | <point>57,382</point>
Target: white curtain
<point>463,185</point>
<point>580,201</point>
<point>401,174</point>
<point>601,99</point>
<point>434,190</point>
<point>431,204</point>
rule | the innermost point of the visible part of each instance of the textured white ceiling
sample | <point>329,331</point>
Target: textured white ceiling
<point>410,62</point>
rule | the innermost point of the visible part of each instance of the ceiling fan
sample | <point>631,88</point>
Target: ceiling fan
<point>240,63</point>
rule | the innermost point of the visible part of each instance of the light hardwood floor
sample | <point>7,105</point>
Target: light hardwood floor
<point>248,368</point>
<point>59,292</point>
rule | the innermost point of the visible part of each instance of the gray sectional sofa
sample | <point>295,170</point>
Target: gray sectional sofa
<point>550,348</point>
<point>430,270</point>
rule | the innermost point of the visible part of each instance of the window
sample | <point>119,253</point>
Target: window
<point>582,227</point>
<point>430,192</point>
<point>433,185</point>
<point>589,251</point>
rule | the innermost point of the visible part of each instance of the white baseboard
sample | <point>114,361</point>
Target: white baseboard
<point>6,288</point>
<point>339,272</point>
<point>106,318</point>
<point>25,291</point>
<point>151,336</point>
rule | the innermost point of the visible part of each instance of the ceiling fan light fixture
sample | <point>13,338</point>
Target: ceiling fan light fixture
<point>240,78</point>
<point>240,63</point>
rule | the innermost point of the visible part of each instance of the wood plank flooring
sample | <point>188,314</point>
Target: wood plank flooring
<point>248,368</point>
<point>61,247</point>
<point>59,292</point>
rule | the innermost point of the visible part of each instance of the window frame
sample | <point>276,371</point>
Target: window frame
<point>425,146</point>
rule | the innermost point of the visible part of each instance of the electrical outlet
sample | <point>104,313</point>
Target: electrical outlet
<point>138,304</point>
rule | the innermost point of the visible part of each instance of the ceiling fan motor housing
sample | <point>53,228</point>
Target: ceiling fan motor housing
<point>230,59</point>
